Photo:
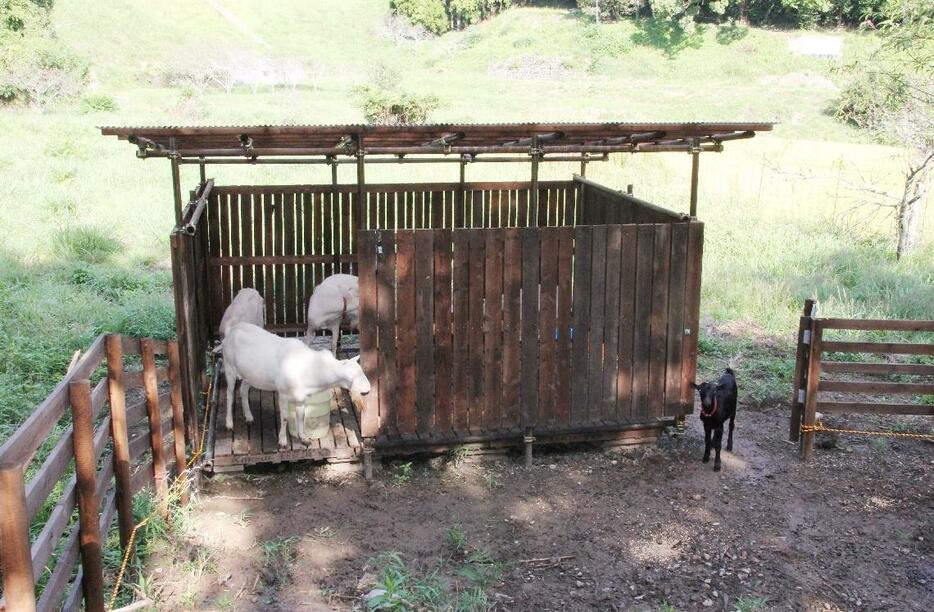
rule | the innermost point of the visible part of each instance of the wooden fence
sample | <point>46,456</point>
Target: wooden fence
<point>818,355</point>
<point>126,432</point>
<point>285,239</point>
<point>490,333</point>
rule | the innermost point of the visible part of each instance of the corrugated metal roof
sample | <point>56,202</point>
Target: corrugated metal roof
<point>444,138</point>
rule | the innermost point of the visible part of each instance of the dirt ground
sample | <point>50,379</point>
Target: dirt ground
<point>641,529</point>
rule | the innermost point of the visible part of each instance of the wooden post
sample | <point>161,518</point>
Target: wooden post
<point>118,432</point>
<point>176,183</point>
<point>461,196</point>
<point>178,417</point>
<point>182,273</point>
<point>813,382</point>
<point>361,183</point>
<point>536,154</point>
<point>155,418</point>
<point>19,589</point>
<point>528,440</point>
<point>201,170</point>
<point>86,476</point>
<point>367,461</point>
<point>629,189</point>
<point>695,166</point>
<point>801,360</point>
<point>584,158</point>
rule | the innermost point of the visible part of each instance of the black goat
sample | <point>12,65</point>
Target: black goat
<point>718,403</point>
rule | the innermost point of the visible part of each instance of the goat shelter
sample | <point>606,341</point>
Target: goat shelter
<point>494,313</point>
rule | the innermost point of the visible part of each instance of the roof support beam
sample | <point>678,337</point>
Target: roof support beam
<point>540,138</point>
<point>695,167</point>
<point>445,140</point>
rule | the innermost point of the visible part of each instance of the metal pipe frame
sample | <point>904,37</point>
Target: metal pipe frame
<point>390,160</point>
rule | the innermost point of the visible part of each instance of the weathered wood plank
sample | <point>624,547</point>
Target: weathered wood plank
<point>476,365</point>
<point>405,316</point>
<point>563,369</point>
<point>528,374</point>
<point>580,335</point>
<point>627,321</point>
<point>369,354</point>
<point>547,318</point>
<point>876,387</point>
<point>609,396</point>
<point>659,320</point>
<point>512,287</point>
<point>692,293</point>
<point>675,333</point>
<point>642,339</point>
<point>425,345</point>
<point>871,408</point>
<point>894,348</point>
<point>444,361</point>
<point>493,326</point>
<point>386,325</point>
<point>853,367</point>
<point>598,281</point>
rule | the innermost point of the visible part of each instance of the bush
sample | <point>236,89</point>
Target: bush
<point>86,243</point>
<point>97,103</point>
<point>870,95</point>
<point>440,16</point>
<point>396,108</point>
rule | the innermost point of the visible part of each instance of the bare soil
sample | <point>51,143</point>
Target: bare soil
<point>851,530</point>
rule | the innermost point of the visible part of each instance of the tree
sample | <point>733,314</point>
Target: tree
<point>891,93</point>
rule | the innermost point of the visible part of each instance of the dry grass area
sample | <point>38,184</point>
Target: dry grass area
<point>586,529</point>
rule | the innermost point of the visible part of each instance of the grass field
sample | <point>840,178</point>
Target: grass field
<point>84,225</point>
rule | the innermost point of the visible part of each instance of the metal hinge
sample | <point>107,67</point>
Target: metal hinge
<point>801,396</point>
<point>379,243</point>
<point>687,331</point>
<point>806,338</point>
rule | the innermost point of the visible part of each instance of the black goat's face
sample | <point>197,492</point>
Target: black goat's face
<point>707,391</point>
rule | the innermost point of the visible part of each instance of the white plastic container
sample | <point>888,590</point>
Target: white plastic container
<point>318,415</point>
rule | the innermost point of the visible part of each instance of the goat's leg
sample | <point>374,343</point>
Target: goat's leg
<point>729,440</point>
<point>230,374</point>
<point>283,420</point>
<point>706,443</point>
<point>335,337</point>
<point>717,439</point>
<point>245,401</point>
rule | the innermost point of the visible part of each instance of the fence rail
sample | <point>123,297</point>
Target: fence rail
<point>127,431</point>
<point>872,395</point>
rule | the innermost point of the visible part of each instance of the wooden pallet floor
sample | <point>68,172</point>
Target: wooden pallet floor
<point>249,444</point>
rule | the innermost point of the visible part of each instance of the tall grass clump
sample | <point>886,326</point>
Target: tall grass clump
<point>86,243</point>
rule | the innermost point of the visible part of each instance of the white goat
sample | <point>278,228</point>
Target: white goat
<point>334,302</point>
<point>247,307</point>
<point>288,367</point>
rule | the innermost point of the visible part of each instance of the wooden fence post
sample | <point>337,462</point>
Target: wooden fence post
<point>801,360</point>
<point>19,588</point>
<point>154,413</point>
<point>118,432</point>
<point>86,476</point>
<point>178,417</point>
<point>813,383</point>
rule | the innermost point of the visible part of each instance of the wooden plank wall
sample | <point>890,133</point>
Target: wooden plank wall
<point>484,332</point>
<point>284,240</point>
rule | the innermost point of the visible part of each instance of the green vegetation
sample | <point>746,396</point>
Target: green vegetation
<point>402,473</point>
<point>750,604</point>
<point>460,586</point>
